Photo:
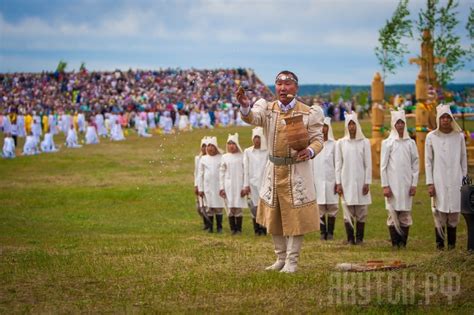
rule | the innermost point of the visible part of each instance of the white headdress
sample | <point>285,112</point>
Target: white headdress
<point>235,139</point>
<point>258,131</point>
<point>444,109</point>
<point>213,141</point>
<point>397,115</point>
<point>352,117</point>
<point>327,121</point>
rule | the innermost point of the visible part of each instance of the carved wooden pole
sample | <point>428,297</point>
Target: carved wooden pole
<point>378,110</point>
<point>421,118</point>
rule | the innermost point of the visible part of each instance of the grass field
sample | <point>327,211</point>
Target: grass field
<point>112,228</point>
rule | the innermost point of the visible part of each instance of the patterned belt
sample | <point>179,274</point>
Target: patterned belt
<point>283,160</point>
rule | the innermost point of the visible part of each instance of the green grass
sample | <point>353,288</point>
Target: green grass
<point>112,228</point>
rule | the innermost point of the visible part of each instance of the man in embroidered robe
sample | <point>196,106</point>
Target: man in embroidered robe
<point>287,205</point>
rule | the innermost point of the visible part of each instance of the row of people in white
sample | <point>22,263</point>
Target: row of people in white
<point>344,167</point>
<point>230,180</point>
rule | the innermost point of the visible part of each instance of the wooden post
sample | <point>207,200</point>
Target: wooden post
<point>378,109</point>
<point>421,118</point>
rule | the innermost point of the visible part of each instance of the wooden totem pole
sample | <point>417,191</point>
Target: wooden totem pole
<point>426,97</point>
<point>378,110</point>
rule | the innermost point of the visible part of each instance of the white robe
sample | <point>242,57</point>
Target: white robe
<point>36,128</point>
<point>91,135</point>
<point>255,161</point>
<point>354,169</point>
<point>166,123</point>
<point>8,148</point>
<point>31,146</point>
<point>324,174</point>
<point>81,122</point>
<point>142,125</point>
<point>193,119</point>
<point>71,139</point>
<point>47,145</point>
<point>399,169</point>
<point>99,121</point>
<point>53,124</point>
<point>231,179</point>
<point>445,166</point>
<point>208,180</point>
<point>183,122</point>
<point>20,125</point>
<point>65,123</point>
<point>151,120</point>
<point>116,133</point>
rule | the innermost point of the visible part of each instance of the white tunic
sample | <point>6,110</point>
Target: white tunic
<point>31,146</point>
<point>91,135</point>
<point>208,180</point>
<point>324,173</point>
<point>36,127</point>
<point>445,166</point>
<point>354,169</point>
<point>99,121</point>
<point>81,122</point>
<point>231,179</point>
<point>71,140</point>
<point>399,169</point>
<point>8,148</point>
<point>53,124</point>
<point>20,124</point>
<point>47,145</point>
<point>255,161</point>
<point>151,120</point>
<point>116,133</point>
<point>142,125</point>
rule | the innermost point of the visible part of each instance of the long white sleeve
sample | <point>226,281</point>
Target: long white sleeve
<point>338,164</point>
<point>429,160</point>
<point>222,171</point>
<point>367,162</point>
<point>385,155</point>
<point>415,163</point>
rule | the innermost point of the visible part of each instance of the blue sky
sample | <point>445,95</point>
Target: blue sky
<point>323,41</point>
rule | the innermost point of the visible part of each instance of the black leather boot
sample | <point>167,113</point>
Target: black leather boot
<point>256,227</point>
<point>404,238</point>
<point>238,224</point>
<point>219,222</point>
<point>394,236</point>
<point>350,233</point>
<point>360,233</point>
<point>451,237</point>
<point>210,224</point>
<point>206,224</point>
<point>322,228</point>
<point>330,230</point>
<point>439,240</point>
<point>232,224</point>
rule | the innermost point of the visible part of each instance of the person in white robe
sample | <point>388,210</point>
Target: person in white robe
<point>116,132</point>
<point>142,128</point>
<point>20,126</point>
<point>100,123</point>
<point>53,124</point>
<point>353,177</point>
<point>193,119</point>
<point>65,123</point>
<point>200,201</point>
<point>166,123</point>
<point>81,122</point>
<point>324,174</point>
<point>47,145</point>
<point>205,119</point>
<point>255,160</point>
<point>184,122</point>
<point>91,133</point>
<point>231,183</point>
<point>399,170</point>
<point>31,145</point>
<point>208,184</point>
<point>8,151</point>
<point>151,120</point>
<point>36,128</point>
<point>445,167</point>
<point>224,118</point>
<point>71,139</point>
